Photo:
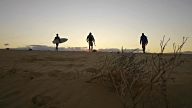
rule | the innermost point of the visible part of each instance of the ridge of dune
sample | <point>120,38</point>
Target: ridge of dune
<point>32,79</point>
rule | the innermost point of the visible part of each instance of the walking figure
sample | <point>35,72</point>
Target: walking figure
<point>90,39</point>
<point>143,41</point>
<point>57,44</point>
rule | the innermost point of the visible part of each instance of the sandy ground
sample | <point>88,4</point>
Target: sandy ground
<point>46,78</point>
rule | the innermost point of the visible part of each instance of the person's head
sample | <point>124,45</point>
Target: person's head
<point>57,34</point>
<point>142,34</point>
<point>90,33</point>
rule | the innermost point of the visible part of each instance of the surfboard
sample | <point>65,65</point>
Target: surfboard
<point>62,40</point>
<point>146,43</point>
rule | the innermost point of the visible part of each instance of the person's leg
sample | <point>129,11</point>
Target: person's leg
<point>143,47</point>
<point>56,46</point>
<point>89,46</point>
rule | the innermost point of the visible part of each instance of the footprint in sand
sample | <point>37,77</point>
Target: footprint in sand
<point>54,73</point>
<point>41,100</point>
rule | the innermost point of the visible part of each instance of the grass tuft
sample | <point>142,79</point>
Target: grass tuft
<point>139,83</point>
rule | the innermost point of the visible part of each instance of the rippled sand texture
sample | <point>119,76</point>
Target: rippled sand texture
<point>33,79</point>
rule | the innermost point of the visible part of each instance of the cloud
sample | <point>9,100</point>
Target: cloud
<point>40,47</point>
<point>184,52</point>
<point>51,48</point>
<point>109,50</point>
<point>187,52</point>
<point>6,44</point>
<point>44,47</point>
<point>137,50</point>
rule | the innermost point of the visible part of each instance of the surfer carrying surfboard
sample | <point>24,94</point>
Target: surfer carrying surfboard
<point>90,39</point>
<point>143,41</point>
<point>57,44</point>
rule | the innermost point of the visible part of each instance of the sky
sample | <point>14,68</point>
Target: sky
<point>113,23</point>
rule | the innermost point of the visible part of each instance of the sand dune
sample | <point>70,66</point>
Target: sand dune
<point>32,79</point>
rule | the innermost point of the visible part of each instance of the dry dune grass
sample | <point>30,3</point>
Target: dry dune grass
<point>139,82</point>
<point>48,79</point>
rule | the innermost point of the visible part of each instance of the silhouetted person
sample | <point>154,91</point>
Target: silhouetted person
<point>57,44</point>
<point>143,41</point>
<point>90,40</point>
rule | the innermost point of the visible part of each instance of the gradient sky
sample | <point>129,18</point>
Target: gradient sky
<point>114,23</point>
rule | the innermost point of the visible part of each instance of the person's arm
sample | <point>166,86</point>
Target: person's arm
<point>87,38</point>
<point>94,41</point>
<point>59,39</point>
<point>140,40</point>
<point>146,40</point>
